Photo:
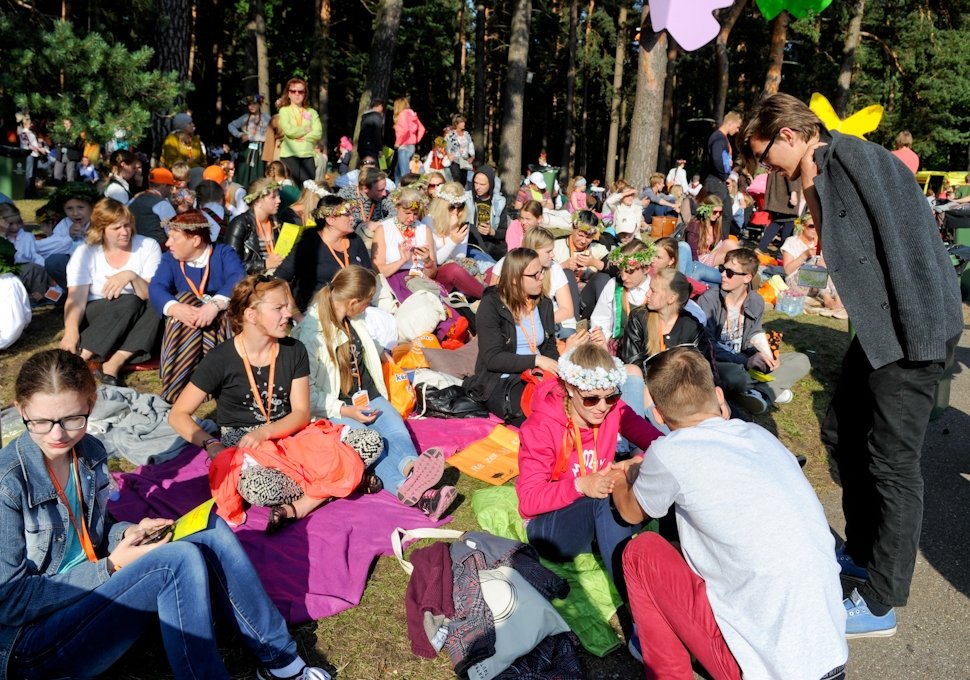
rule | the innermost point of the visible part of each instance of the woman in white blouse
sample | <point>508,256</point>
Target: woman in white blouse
<point>107,317</point>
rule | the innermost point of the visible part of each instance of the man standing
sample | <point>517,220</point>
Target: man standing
<point>885,256</point>
<point>720,161</point>
<point>371,139</point>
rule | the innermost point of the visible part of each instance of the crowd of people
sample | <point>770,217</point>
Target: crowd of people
<point>621,330</point>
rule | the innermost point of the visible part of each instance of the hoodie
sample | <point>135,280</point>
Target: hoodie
<point>541,439</point>
<point>492,208</point>
<point>371,139</point>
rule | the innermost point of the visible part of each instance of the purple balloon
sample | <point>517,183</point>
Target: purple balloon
<point>690,22</point>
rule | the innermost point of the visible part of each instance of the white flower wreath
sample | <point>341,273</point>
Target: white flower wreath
<point>590,379</point>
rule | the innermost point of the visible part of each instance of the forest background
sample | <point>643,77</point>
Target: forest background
<point>588,81</point>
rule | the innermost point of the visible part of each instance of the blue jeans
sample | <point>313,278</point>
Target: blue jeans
<point>398,448</point>
<point>632,394</point>
<point>181,585</point>
<point>404,154</point>
<point>563,534</point>
<point>704,273</point>
<point>56,266</point>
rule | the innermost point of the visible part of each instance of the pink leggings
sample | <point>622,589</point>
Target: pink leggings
<point>673,615</point>
<point>452,276</point>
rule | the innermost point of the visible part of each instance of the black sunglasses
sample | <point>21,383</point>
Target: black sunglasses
<point>764,154</point>
<point>590,402</point>
<point>730,273</point>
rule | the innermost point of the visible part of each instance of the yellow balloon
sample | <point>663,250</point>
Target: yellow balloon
<point>859,124</point>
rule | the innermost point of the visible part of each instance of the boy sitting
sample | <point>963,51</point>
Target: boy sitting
<point>757,591</point>
<point>734,313</point>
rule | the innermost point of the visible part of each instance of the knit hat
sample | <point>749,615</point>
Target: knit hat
<point>161,176</point>
<point>537,179</point>
<point>346,144</point>
<point>181,121</point>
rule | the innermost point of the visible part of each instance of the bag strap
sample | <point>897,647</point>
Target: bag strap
<point>399,536</point>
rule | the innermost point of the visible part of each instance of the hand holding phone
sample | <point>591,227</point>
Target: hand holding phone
<point>157,535</point>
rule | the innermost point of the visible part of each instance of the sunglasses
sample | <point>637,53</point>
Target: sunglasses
<point>435,185</point>
<point>297,91</point>
<point>764,154</point>
<point>730,273</point>
<point>590,402</point>
<point>716,212</point>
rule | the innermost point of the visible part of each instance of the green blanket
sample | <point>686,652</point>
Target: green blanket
<point>592,599</point>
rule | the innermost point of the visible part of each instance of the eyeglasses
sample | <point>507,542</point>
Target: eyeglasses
<point>730,273</point>
<point>67,423</point>
<point>297,91</point>
<point>764,154</point>
<point>538,276</point>
<point>590,402</point>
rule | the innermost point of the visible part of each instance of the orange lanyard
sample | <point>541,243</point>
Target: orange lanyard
<point>346,259</point>
<point>354,360</point>
<point>370,213</point>
<point>81,529</point>
<point>298,119</point>
<point>579,448</point>
<point>265,234</point>
<point>532,340</point>
<point>200,291</point>
<point>265,410</point>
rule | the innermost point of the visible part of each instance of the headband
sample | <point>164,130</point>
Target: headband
<point>452,199</point>
<point>641,258</point>
<point>590,379</point>
<point>265,191</point>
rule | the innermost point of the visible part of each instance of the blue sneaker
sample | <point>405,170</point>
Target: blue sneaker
<point>634,646</point>
<point>863,623</point>
<point>849,568</point>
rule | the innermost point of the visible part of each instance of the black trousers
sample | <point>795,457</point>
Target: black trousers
<point>127,324</point>
<point>505,401</point>
<point>874,428</point>
<point>301,169</point>
<point>785,226</point>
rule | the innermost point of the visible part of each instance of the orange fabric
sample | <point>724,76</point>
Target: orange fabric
<point>314,457</point>
<point>400,392</point>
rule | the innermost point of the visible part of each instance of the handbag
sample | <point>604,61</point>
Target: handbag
<point>448,402</point>
<point>399,390</point>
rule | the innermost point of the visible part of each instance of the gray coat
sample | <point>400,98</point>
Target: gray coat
<point>884,253</point>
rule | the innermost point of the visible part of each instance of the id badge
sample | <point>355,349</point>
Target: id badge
<point>360,399</point>
<point>254,145</point>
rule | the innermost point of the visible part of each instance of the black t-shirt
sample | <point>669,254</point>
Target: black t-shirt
<point>358,369</point>
<point>717,146</point>
<point>222,375</point>
<point>311,265</point>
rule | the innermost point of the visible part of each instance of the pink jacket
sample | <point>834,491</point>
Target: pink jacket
<point>408,129</point>
<point>541,440</point>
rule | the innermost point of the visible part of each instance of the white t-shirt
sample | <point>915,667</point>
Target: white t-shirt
<point>751,526</point>
<point>557,278</point>
<point>604,313</point>
<point>88,266</point>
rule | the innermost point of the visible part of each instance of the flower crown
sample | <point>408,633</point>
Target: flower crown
<point>420,205</point>
<point>265,191</point>
<point>704,210</point>
<point>452,199</point>
<point>315,188</point>
<point>324,211</point>
<point>641,258</point>
<point>590,379</point>
<point>578,223</point>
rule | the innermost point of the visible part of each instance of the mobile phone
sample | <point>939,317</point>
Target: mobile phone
<point>157,535</point>
<point>582,325</point>
<point>371,412</point>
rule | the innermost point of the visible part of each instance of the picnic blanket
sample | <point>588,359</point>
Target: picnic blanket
<point>314,568</point>
<point>451,434</point>
<point>592,599</point>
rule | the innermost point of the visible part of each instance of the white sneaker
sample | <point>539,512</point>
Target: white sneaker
<point>308,673</point>
<point>752,402</point>
<point>784,397</point>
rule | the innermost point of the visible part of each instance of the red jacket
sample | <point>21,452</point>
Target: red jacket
<point>408,129</point>
<point>541,441</point>
<point>314,457</point>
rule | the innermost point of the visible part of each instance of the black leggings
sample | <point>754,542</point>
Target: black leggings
<point>301,169</point>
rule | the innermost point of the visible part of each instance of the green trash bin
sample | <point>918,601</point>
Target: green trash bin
<point>13,171</point>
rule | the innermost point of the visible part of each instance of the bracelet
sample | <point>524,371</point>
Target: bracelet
<point>209,442</point>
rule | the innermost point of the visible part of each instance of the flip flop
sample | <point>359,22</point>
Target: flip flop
<point>424,475</point>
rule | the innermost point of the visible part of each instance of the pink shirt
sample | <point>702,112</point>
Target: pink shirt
<point>909,158</point>
<point>408,130</point>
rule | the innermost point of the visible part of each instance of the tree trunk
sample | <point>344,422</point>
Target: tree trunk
<point>258,26</point>
<point>645,126</point>
<point>669,109</point>
<point>776,55</point>
<point>728,19</point>
<point>852,34</point>
<point>461,55</point>
<point>568,163</point>
<point>320,67</point>
<point>618,61</point>
<point>381,60</point>
<point>171,54</point>
<point>478,126</point>
<point>589,23</point>
<point>510,150</point>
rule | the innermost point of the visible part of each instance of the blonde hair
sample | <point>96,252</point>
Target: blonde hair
<point>180,171</point>
<point>681,384</point>
<point>536,238</point>
<point>412,199</point>
<point>307,202</point>
<point>106,212</point>
<point>350,283</point>
<point>438,210</point>
<point>400,104</point>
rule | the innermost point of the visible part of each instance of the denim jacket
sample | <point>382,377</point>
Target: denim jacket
<point>33,536</point>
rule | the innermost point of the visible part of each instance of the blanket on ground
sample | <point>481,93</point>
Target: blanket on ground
<point>450,434</point>
<point>314,568</point>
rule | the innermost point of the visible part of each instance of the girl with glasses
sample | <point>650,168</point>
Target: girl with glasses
<point>703,235</point>
<point>301,130</point>
<point>568,446</point>
<point>78,589</point>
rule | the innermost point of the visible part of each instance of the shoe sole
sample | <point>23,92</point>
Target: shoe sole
<point>426,473</point>
<point>888,632</point>
<point>447,497</point>
<point>633,651</point>
<point>751,404</point>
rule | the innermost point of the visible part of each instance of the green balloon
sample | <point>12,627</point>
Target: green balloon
<point>797,8</point>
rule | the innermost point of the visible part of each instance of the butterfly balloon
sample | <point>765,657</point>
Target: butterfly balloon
<point>690,22</point>
<point>858,124</point>
<point>797,8</point>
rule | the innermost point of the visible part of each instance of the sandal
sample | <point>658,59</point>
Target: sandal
<point>370,483</point>
<point>279,517</point>
<point>424,475</point>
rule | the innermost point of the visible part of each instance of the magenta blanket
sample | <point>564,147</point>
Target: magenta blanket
<point>311,569</point>
<point>451,434</point>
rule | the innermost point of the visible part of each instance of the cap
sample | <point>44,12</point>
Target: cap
<point>625,227</point>
<point>215,173</point>
<point>161,176</point>
<point>537,179</point>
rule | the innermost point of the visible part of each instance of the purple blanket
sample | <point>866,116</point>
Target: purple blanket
<point>314,568</point>
<point>451,434</point>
